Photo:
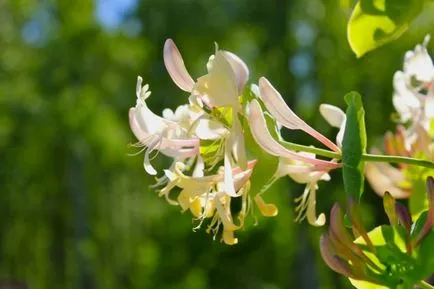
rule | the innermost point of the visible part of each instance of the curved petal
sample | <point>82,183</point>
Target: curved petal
<point>285,116</point>
<point>332,114</point>
<point>219,86</point>
<point>209,129</point>
<point>264,139</point>
<point>336,118</point>
<point>267,210</point>
<point>240,69</point>
<point>176,68</point>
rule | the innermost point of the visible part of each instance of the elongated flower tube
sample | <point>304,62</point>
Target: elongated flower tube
<point>285,116</point>
<point>156,133</point>
<point>265,140</point>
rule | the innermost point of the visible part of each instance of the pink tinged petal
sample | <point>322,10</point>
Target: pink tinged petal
<point>176,68</point>
<point>285,116</point>
<point>169,147</point>
<point>240,69</point>
<point>264,139</point>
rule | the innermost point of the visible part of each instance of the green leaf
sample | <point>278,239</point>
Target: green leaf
<point>425,255</point>
<point>416,181</point>
<point>354,146</point>
<point>399,269</point>
<point>374,23</point>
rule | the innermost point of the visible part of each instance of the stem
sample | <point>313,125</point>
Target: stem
<point>398,160</point>
<point>310,149</point>
<point>365,157</point>
<point>425,285</point>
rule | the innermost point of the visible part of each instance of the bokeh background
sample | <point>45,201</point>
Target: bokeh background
<point>76,210</point>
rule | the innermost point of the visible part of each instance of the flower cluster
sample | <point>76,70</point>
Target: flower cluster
<point>389,256</point>
<point>212,165</point>
<point>413,100</point>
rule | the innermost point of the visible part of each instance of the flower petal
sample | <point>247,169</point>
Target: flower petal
<point>311,210</point>
<point>264,139</point>
<point>336,118</point>
<point>219,86</point>
<point>285,116</point>
<point>240,69</point>
<point>267,210</point>
<point>332,114</point>
<point>208,129</point>
<point>176,68</point>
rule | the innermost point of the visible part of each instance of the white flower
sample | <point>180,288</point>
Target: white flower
<point>220,87</point>
<point>302,167</point>
<point>157,133</point>
<point>413,88</point>
<point>418,67</point>
<point>303,173</point>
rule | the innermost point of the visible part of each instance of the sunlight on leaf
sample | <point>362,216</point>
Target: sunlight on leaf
<point>374,23</point>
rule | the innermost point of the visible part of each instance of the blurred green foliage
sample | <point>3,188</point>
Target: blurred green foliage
<point>76,210</point>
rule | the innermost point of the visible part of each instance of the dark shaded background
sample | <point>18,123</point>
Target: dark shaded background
<point>76,210</point>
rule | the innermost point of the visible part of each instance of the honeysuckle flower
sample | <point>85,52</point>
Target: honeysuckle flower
<point>157,133</point>
<point>275,104</point>
<point>221,87</point>
<point>302,167</point>
<point>304,173</point>
<point>205,196</point>
<point>265,140</point>
<point>413,88</point>
<point>368,257</point>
